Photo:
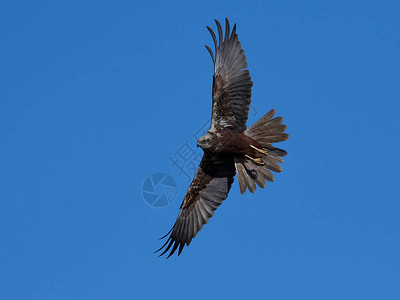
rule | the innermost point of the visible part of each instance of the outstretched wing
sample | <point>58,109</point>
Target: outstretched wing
<point>209,188</point>
<point>231,82</point>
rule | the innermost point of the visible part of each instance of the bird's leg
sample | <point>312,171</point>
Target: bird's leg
<point>265,152</point>
<point>258,161</point>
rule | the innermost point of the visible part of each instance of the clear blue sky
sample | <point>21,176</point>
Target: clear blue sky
<point>95,96</point>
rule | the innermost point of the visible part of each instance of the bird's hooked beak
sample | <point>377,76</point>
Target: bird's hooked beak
<point>200,143</point>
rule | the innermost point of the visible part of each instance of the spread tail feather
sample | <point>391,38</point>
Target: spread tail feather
<point>265,131</point>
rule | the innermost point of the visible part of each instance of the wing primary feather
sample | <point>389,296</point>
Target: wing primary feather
<point>169,246</point>
<point>214,38</point>
<point>162,246</point>
<point>181,248</point>
<point>195,227</point>
<point>170,241</point>
<point>233,30</point>
<point>177,233</point>
<point>226,29</point>
<point>185,233</point>
<point>219,32</point>
<point>166,234</point>
<point>190,228</point>
<point>211,53</point>
<point>173,249</point>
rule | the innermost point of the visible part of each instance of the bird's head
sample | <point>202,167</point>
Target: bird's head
<point>205,141</point>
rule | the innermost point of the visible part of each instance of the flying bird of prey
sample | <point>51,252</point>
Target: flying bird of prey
<point>229,146</point>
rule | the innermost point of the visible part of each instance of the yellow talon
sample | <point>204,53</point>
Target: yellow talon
<point>265,152</point>
<point>256,160</point>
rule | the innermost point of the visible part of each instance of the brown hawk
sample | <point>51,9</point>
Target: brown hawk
<point>229,146</point>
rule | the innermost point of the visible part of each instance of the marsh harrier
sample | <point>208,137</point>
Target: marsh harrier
<point>229,146</point>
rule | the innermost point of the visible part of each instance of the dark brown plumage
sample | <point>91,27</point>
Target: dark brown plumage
<point>229,146</point>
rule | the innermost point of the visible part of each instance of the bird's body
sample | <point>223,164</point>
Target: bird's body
<point>229,146</point>
<point>229,143</point>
